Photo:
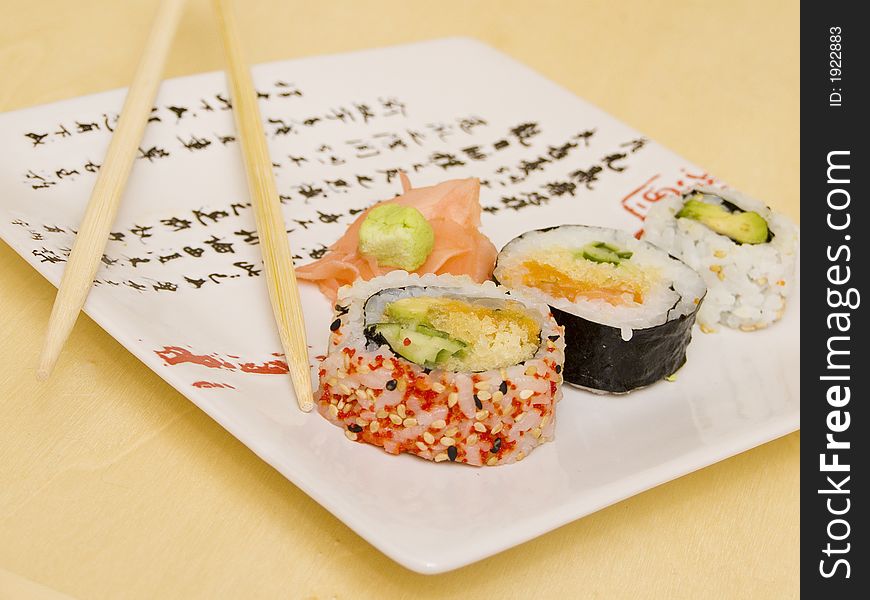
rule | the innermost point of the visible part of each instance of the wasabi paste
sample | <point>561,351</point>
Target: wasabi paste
<point>396,236</point>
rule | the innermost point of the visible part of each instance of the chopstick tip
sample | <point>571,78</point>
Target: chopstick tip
<point>47,361</point>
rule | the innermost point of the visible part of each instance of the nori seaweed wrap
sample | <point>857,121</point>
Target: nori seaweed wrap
<point>627,306</point>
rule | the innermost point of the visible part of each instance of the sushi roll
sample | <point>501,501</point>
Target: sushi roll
<point>744,251</point>
<point>443,368</point>
<point>627,307</point>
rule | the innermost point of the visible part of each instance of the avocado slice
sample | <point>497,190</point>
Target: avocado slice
<point>419,344</point>
<point>742,227</point>
<point>602,252</point>
<point>409,310</point>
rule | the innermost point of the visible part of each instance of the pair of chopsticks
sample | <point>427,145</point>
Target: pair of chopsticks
<point>90,243</point>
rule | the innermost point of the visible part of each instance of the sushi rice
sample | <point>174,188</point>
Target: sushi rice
<point>483,418</point>
<point>748,283</point>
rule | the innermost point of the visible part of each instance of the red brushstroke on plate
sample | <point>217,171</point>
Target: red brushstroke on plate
<point>272,367</point>
<point>211,384</point>
<point>174,355</point>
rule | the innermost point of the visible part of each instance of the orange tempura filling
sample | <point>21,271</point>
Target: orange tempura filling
<point>558,284</point>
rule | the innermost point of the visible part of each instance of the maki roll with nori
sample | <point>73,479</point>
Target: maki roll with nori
<point>443,368</point>
<point>744,251</point>
<point>627,307</point>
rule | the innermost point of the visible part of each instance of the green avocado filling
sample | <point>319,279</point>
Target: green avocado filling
<point>742,227</point>
<point>396,236</point>
<point>602,252</point>
<point>457,335</point>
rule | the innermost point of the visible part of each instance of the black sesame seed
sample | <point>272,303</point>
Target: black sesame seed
<point>335,325</point>
<point>354,427</point>
<point>342,310</point>
<point>503,387</point>
<point>427,370</point>
<point>558,369</point>
<point>496,446</point>
<point>391,384</point>
<point>552,338</point>
<point>451,453</point>
<point>477,402</point>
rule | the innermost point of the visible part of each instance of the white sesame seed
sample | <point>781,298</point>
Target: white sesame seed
<point>400,410</point>
<point>544,421</point>
<point>381,414</point>
<point>480,427</point>
<point>441,457</point>
<point>361,394</point>
<point>531,370</point>
<point>491,461</point>
<point>497,428</point>
<point>452,431</point>
<point>503,373</point>
<point>396,419</point>
<point>519,417</point>
<point>333,411</point>
<point>452,399</point>
<point>402,385</point>
<point>526,394</point>
<point>481,385</point>
<point>536,432</point>
<point>472,439</point>
<point>484,395</point>
<point>430,439</point>
<point>341,405</point>
<point>409,422</point>
<point>481,415</point>
<point>350,435</point>
<point>344,389</point>
<point>422,446</point>
<point>520,456</point>
<point>374,426</point>
<point>439,424</point>
<point>437,387</point>
<point>361,422</point>
<point>497,396</point>
<point>719,253</point>
<point>447,441</point>
<point>332,381</point>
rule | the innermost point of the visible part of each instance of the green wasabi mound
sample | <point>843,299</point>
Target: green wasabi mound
<point>396,236</point>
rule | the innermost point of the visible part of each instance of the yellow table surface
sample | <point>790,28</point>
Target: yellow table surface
<point>113,485</point>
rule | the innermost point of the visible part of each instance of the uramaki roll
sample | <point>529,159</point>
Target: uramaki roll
<point>745,252</point>
<point>442,368</point>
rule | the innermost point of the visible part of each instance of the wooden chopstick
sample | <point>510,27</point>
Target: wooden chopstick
<point>277,258</point>
<point>90,242</point>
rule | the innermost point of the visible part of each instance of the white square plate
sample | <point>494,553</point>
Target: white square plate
<point>194,309</point>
